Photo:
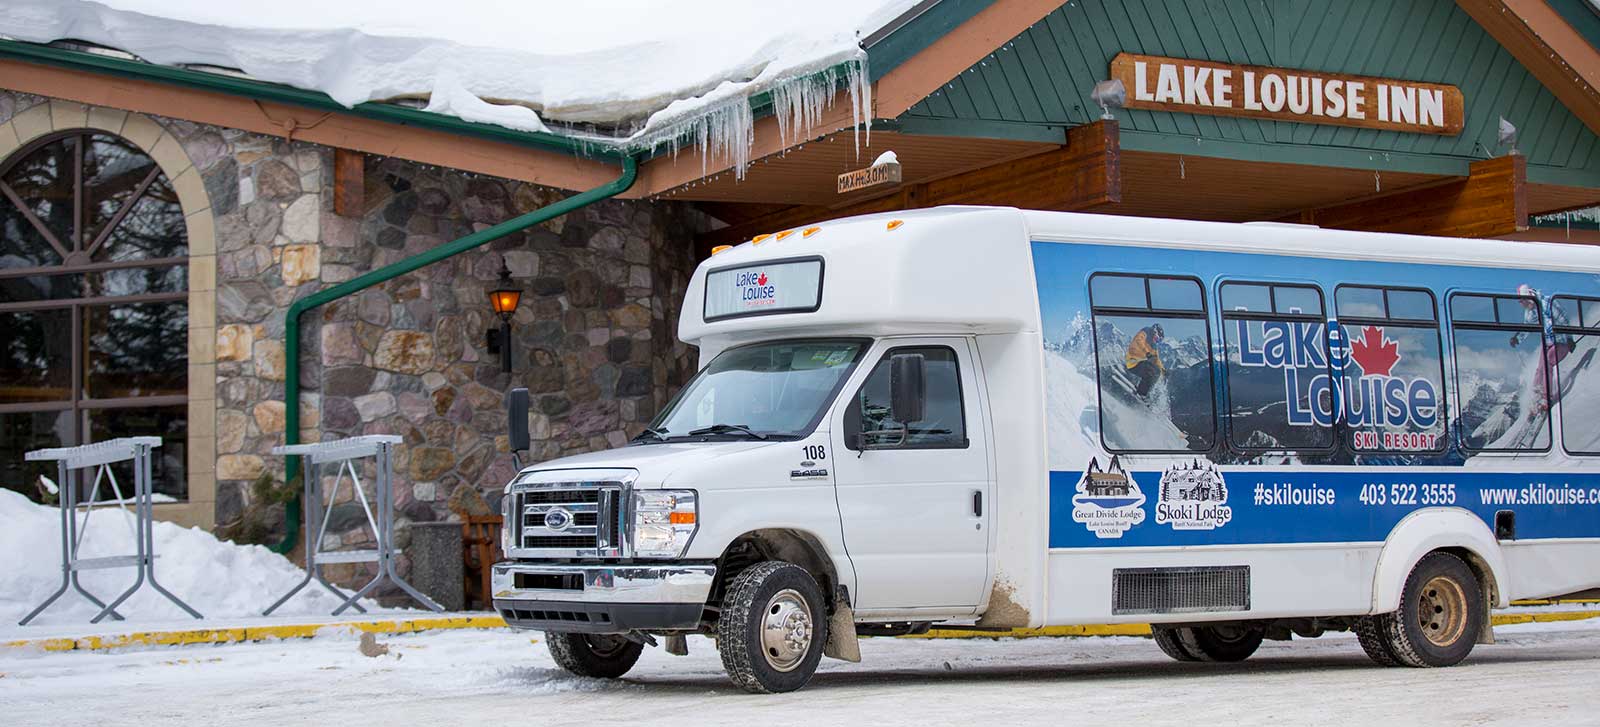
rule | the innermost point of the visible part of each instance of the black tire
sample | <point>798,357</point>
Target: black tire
<point>1171,644</point>
<point>602,656</point>
<point>1441,613</point>
<point>1373,643</point>
<point>1221,643</point>
<point>784,600</point>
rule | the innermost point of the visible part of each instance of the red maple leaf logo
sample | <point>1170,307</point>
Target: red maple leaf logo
<point>1375,353</point>
<point>762,280</point>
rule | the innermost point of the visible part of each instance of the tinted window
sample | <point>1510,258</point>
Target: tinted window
<point>1413,305</point>
<point>1172,294</point>
<point>1503,399</point>
<point>1153,364</point>
<point>1577,336</point>
<point>1246,298</point>
<point>942,423</point>
<point>1357,302</point>
<point>1118,291</point>
<point>1279,389</point>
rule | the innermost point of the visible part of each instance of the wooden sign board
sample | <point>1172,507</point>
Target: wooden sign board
<point>1312,97</point>
<point>869,177</point>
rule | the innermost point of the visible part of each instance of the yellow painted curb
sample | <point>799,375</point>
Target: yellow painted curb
<point>255,633</point>
<point>431,623</point>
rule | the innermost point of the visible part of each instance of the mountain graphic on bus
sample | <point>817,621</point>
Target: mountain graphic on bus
<point>1108,488</point>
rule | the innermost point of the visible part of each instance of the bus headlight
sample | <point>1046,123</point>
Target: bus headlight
<point>663,522</point>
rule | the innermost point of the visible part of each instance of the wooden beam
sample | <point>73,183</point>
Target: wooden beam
<point>1083,174</point>
<point>1492,201</point>
<point>1548,47</point>
<point>349,183</point>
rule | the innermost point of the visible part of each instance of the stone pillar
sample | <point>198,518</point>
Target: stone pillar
<point>436,563</point>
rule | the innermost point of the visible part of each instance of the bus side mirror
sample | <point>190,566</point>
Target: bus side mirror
<point>517,420</point>
<point>908,390</point>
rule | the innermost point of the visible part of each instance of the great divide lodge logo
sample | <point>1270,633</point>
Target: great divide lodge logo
<point>1108,501</point>
<point>1193,497</point>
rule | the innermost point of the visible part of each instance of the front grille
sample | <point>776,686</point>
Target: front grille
<point>1180,590</point>
<point>518,614</point>
<point>569,520</point>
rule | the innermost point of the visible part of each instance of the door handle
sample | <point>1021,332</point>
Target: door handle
<point>977,503</point>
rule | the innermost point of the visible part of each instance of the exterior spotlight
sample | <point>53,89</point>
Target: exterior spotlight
<point>1110,95</point>
<point>1508,136</point>
<point>503,299</point>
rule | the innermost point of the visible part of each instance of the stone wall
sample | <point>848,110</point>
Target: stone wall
<point>594,335</point>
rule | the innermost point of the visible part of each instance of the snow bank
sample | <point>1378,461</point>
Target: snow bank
<point>651,70</point>
<point>219,579</point>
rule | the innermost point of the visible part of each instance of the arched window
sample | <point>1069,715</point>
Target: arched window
<point>93,304</point>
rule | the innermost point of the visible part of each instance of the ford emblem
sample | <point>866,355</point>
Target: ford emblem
<point>557,519</point>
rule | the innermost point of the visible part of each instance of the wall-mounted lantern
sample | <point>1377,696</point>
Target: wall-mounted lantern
<point>504,300</point>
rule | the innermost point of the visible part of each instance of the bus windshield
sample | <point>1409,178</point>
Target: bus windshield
<point>776,389</point>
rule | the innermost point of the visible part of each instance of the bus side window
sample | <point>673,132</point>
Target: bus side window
<point>1153,363</point>
<point>1501,393</point>
<point>1393,370</point>
<point>1276,339</point>
<point>1576,326</point>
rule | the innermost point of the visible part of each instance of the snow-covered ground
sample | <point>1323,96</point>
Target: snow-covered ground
<point>220,579</point>
<point>1538,673</point>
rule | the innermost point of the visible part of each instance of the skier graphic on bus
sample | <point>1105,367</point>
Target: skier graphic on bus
<point>1143,359</point>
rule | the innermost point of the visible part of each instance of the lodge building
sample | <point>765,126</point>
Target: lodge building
<point>159,223</point>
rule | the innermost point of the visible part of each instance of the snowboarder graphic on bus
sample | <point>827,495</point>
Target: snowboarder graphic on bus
<point>1561,346</point>
<point>1143,359</point>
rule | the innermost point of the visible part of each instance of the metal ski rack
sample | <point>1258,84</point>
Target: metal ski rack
<point>343,453</point>
<point>100,456</point>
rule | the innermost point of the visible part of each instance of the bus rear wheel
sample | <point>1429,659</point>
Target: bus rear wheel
<point>1441,613</point>
<point>1226,642</point>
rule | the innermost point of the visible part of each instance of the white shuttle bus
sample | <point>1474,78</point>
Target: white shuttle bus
<point>1006,418</point>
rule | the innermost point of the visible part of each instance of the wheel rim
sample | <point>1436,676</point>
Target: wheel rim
<point>786,630</point>
<point>1230,634</point>
<point>1442,611</point>
<point>606,646</point>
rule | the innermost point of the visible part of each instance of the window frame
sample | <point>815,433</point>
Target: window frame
<point>74,248</point>
<point>1579,330</point>
<point>852,413</point>
<point>705,300</point>
<point>1273,315</point>
<point>1203,315</point>
<point>1446,415</point>
<point>1534,328</point>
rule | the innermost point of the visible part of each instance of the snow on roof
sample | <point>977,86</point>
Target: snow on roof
<point>635,74</point>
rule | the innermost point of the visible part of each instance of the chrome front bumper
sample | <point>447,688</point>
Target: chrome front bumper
<point>601,598</point>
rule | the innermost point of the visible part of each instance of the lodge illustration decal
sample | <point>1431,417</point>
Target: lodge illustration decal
<point>1108,501</point>
<point>1193,496</point>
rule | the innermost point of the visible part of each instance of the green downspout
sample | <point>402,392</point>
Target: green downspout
<point>390,113</point>
<point>291,395</point>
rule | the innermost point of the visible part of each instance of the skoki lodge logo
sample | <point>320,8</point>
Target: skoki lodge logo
<point>755,289</point>
<point>1390,408</point>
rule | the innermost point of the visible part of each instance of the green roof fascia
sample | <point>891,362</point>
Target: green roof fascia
<point>1323,156</point>
<point>262,90</point>
<point>1581,16</point>
<point>929,21</point>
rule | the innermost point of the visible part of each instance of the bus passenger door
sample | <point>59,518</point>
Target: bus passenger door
<point>915,496</point>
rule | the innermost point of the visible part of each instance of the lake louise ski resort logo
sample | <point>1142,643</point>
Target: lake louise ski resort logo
<point>1193,497</point>
<point>1108,501</point>
<point>755,289</point>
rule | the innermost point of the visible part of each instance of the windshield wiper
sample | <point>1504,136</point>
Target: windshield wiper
<point>650,433</point>
<point>727,429</point>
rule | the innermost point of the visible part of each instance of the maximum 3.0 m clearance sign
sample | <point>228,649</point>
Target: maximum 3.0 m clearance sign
<point>1223,89</point>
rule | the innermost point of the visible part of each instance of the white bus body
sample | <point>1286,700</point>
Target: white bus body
<point>1227,430</point>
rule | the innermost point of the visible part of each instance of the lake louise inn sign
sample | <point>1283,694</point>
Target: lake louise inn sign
<point>1204,87</point>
